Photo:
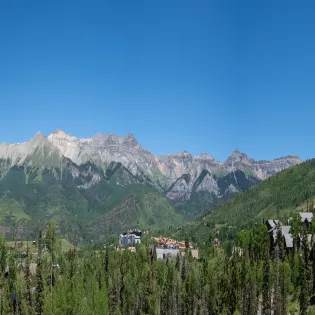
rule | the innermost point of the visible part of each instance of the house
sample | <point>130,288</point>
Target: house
<point>163,253</point>
<point>130,237</point>
<point>166,242</point>
<point>284,229</point>
<point>288,241</point>
<point>306,218</point>
<point>273,227</point>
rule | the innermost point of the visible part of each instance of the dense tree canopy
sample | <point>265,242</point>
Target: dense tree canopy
<point>252,276</point>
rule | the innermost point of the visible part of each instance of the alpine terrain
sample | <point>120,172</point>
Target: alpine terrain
<point>98,186</point>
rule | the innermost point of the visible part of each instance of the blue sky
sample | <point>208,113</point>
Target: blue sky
<point>203,76</point>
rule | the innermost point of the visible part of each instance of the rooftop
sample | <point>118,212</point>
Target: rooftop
<point>285,229</point>
<point>288,240</point>
<point>306,216</point>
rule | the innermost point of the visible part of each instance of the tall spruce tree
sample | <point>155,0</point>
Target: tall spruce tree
<point>305,273</point>
<point>27,278</point>
<point>39,296</point>
<point>284,285</point>
<point>276,301</point>
<point>266,297</point>
<point>3,255</point>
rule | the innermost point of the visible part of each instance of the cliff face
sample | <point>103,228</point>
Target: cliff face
<point>178,175</point>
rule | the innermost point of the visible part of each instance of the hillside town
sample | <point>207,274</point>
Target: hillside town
<point>166,248</point>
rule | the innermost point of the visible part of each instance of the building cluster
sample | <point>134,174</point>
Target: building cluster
<point>167,248</point>
<point>129,238</point>
<point>169,243</point>
<point>275,225</point>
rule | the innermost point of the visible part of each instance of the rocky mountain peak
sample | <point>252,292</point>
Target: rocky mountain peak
<point>289,157</point>
<point>38,136</point>
<point>99,136</point>
<point>206,156</point>
<point>60,134</point>
<point>131,139</point>
<point>236,152</point>
<point>58,131</point>
<point>237,156</point>
<point>103,149</point>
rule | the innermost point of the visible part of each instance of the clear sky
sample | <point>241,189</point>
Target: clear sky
<point>203,76</point>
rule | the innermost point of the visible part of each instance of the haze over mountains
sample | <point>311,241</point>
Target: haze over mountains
<point>114,182</point>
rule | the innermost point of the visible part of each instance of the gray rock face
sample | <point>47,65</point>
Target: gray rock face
<point>260,169</point>
<point>103,149</point>
<point>38,149</point>
<point>178,175</point>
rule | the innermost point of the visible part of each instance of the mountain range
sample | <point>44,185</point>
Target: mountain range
<point>98,186</point>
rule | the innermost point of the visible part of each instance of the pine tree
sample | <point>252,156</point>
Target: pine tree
<point>296,268</point>
<point>183,271</point>
<point>3,255</point>
<point>266,298</point>
<point>154,253</point>
<point>12,274</point>
<point>276,302</point>
<point>72,258</point>
<point>305,274</point>
<point>177,263</point>
<point>284,284</point>
<point>50,238</point>
<point>234,284</point>
<point>280,243</point>
<point>39,296</point>
<point>106,261</point>
<point>27,278</point>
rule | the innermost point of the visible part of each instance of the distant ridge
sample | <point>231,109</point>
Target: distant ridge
<point>110,181</point>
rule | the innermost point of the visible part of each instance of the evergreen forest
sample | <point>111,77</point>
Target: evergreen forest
<point>252,275</point>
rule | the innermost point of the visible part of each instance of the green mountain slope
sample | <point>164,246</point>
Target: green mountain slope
<point>277,197</point>
<point>92,200</point>
<point>86,201</point>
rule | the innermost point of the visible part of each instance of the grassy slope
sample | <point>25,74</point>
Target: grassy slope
<point>12,209</point>
<point>277,196</point>
<point>65,245</point>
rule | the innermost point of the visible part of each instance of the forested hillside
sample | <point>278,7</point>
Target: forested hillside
<point>253,276</point>
<point>86,201</point>
<point>278,196</point>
